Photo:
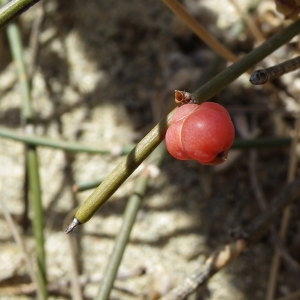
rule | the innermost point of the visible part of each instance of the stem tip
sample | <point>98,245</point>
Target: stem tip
<point>74,224</point>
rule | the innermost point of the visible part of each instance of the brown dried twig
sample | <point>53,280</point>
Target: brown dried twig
<point>254,30</point>
<point>271,287</point>
<point>180,11</point>
<point>232,250</point>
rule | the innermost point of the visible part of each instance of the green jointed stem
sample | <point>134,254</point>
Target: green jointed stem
<point>156,135</point>
<point>13,8</point>
<point>14,38</point>
<point>129,218</point>
<point>34,140</point>
<point>121,241</point>
<point>39,141</point>
<point>32,165</point>
<point>38,220</point>
<point>80,187</point>
<point>122,171</point>
<point>219,82</point>
<point>261,142</point>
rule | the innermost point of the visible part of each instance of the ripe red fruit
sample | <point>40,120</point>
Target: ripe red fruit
<point>202,132</point>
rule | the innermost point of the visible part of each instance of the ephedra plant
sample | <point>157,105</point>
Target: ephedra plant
<point>215,153</point>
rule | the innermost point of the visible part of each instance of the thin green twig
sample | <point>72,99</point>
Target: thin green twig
<point>37,220</point>
<point>34,140</point>
<point>39,141</point>
<point>31,158</point>
<point>129,218</point>
<point>84,186</point>
<point>121,240</point>
<point>219,82</point>
<point>127,165</point>
<point>123,170</point>
<point>13,8</point>
<point>262,142</point>
<point>18,56</point>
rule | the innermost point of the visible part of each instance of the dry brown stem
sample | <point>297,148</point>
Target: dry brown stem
<point>232,250</point>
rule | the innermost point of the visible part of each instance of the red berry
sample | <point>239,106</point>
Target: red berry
<point>202,132</point>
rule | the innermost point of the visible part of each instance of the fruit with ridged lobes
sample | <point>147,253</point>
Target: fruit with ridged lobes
<point>202,132</point>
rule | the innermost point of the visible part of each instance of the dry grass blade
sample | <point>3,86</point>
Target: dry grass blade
<point>31,157</point>
<point>271,288</point>
<point>19,241</point>
<point>212,265</point>
<point>249,21</point>
<point>199,30</point>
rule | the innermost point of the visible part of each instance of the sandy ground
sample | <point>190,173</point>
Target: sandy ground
<point>104,73</point>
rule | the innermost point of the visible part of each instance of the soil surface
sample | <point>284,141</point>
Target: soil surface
<point>104,72</point>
